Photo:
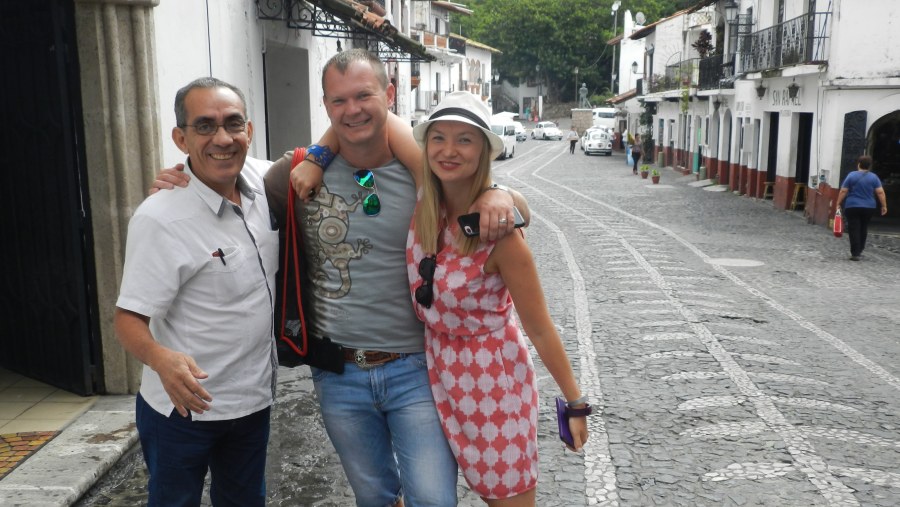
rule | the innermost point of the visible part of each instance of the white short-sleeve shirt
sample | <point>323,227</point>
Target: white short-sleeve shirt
<point>215,307</point>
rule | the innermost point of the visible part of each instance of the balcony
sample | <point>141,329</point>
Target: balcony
<point>796,41</point>
<point>684,74</point>
<point>716,74</point>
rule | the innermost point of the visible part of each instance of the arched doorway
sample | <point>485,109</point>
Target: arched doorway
<point>883,144</point>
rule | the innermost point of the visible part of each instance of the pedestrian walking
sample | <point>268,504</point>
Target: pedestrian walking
<point>636,152</point>
<point>857,195</point>
<point>195,307</point>
<point>573,138</point>
<point>465,290</point>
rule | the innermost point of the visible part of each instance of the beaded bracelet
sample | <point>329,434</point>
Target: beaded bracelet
<point>320,155</point>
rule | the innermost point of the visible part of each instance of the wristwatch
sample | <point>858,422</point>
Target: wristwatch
<point>497,186</point>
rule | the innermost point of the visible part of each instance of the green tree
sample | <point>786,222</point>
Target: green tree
<point>558,35</point>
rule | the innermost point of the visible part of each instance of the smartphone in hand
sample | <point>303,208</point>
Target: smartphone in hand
<point>469,223</point>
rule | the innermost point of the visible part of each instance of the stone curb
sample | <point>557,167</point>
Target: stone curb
<point>66,467</point>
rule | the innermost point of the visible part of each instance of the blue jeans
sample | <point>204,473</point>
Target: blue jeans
<point>386,430</point>
<point>178,452</point>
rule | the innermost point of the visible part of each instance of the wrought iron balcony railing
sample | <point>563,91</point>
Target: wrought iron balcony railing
<point>685,73</point>
<point>796,41</point>
<point>716,74</point>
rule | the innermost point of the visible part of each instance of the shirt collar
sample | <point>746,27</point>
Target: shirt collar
<point>216,202</point>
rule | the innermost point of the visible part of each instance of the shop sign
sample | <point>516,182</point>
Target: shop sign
<point>783,98</point>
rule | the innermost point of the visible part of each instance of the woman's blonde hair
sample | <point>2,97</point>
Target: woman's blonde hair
<point>428,219</point>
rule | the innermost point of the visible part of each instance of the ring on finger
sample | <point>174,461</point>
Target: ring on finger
<point>503,220</point>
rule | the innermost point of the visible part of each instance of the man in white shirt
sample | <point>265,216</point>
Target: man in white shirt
<point>573,138</point>
<point>195,306</point>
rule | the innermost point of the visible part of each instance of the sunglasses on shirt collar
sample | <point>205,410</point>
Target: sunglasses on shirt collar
<point>371,203</point>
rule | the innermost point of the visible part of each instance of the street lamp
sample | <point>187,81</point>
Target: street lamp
<point>537,68</point>
<point>575,90</point>
<point>496,81</point>
<point>615,12</point>
<point>634,72</point>
<point>731,10</point>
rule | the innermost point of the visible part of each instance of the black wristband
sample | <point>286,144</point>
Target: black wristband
<point>579,412</point>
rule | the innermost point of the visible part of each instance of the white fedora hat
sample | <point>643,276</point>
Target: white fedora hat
<point>466,108</point>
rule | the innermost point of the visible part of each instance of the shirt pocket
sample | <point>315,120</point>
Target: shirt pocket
<point>226,259</point>
<point>226,275</point>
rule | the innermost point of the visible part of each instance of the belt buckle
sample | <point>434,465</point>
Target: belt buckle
<point>360,357</point>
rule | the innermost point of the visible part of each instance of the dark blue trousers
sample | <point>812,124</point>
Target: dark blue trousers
<point>857,222</point>
<point>179,451</point>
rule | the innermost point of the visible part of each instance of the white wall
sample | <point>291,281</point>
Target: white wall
<point>864,39</point>
<point>668,44</point>
<point>630,51</point>
<point>877,103</point>
<point>224,42</point>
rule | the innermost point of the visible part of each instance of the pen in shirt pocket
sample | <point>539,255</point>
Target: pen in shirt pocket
<point>221,255</point>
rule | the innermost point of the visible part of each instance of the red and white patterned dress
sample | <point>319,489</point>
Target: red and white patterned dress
<point>481,372</point>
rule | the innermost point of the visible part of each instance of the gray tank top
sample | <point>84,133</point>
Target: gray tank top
<point>357,263</point>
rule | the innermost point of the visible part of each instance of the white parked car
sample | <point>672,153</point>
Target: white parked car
<point>546,130</point>
<point>503,127</point>
<point>596,140</point>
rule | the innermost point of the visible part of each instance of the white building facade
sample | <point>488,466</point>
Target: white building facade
<point>102,97</point>
<point>791,94</point>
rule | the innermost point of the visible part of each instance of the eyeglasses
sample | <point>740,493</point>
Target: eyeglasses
<point>233,126</point>
<point>371,204</point>
<point>425,292</point>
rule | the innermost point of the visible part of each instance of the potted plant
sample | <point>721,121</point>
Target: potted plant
<point>645,171</point>
<point>703,44</point>
<point>654,175</point>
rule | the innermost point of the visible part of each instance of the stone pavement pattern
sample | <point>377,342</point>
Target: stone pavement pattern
<point>742,359</point>
<point>15,447</point>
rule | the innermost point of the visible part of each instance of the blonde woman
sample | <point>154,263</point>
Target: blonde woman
<point>465,289</point>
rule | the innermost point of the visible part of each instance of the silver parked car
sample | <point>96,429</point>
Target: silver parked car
<point>546,130</point>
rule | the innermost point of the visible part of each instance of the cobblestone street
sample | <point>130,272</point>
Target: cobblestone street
<point>733,354</point>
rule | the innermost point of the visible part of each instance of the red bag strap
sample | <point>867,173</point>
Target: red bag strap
<point>292,255</point>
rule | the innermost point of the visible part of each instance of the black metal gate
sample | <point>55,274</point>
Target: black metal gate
<point>854,143</point>
<point>48,303</point>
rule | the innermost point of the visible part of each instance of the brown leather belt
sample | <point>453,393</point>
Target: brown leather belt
<point>366,359</point>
